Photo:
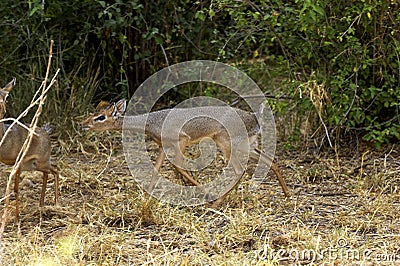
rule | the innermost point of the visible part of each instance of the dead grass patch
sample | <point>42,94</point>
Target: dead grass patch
<point>337,212</point>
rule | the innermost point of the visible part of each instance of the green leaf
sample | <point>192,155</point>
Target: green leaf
<point>319,10</point>
<point>33,11</point>
<point>159,39</point>
<point>200,15</point>
<point>211,13</point>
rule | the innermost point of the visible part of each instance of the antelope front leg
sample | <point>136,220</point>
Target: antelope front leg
<point>44,187</point>
<point>274,168</point>
<point>157,166</point>
<point>239,171</point>
<point>178,163</point>
<point>282,182</point>
<point>56,183</point>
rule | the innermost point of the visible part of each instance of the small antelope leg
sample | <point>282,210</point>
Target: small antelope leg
<point>239,171</point>
<point>44,187</point>
<point>179,149</point>
<point>274,168</point>
<point>282,182</point>
<point>56,184</point>
<point>187,177</point>
<point>157,165</point>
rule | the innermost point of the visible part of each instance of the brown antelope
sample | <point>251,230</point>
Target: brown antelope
<point>37,157</point>
<point>111,117</point>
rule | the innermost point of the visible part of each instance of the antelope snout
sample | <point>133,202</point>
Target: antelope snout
<point>85,127</point>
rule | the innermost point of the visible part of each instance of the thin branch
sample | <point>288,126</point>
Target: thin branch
<point>325,128</point>
<point>165,56</point>
<point>17,122</point>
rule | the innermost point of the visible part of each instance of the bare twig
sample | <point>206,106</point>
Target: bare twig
<point>16,121</point>
<point>166,57</point>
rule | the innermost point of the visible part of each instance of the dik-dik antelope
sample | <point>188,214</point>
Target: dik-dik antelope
<point>37,157</point>
<point>111,117</point>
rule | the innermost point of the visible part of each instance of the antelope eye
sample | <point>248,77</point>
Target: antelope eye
<point>100,118</point>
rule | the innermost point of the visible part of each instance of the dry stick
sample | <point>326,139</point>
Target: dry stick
<point>40,101</point>
<point>326,129</point>
<point>15,121</point>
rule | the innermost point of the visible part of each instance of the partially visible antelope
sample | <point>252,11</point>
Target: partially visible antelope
<point>111,117</point>
<point>37,157</point>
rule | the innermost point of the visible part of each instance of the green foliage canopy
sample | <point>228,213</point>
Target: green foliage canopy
<point>351,47</point>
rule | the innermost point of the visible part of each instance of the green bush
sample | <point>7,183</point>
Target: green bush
<point>344,53</point>
<point>351,47</point>
<point>104,49</point>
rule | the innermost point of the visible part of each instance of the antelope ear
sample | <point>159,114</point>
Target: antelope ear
<point>120,106</point>
<point>10,85</point>
<point>102,105</point>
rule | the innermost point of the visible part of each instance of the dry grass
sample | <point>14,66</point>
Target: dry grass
<point>338,212</point>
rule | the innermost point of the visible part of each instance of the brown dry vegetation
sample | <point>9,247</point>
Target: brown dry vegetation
<point>344,211</point>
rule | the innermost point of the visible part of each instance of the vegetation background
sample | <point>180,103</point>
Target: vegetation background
<point>328,68</point>
<point>337,60</point>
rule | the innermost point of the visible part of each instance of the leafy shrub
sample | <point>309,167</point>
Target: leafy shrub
<point>105,49</point>
<point>350,47</point>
